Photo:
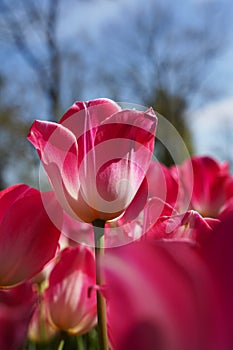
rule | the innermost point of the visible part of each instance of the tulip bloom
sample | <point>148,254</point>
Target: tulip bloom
<point>211,187</point>
<point>96,157</point>
<point>28,239</point>
<point>16,308</point>
<point>69,300</point>
<point>161,295</point>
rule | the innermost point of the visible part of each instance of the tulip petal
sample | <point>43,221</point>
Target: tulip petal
<point>134,125</point>
<point>118,161</point>
<point>218,254</point>
<point>58,151</point>
<point>137,204</point>
<point>11,194</point>
<point>96,111</point>
<point>28,239</point>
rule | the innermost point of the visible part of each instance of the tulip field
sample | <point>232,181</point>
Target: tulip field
<point>122,252</point>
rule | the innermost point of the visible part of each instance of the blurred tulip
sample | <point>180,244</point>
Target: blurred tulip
<point>97,157</point>
<point>211,186</point>
<point>161,295</point>
<point>16,308</point>
<point>172,295</point>
<point>69,300</point>
<point>28,239</point>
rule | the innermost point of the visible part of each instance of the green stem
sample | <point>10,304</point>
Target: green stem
<point>42,329</point>
<point>98,226</point>
<point>61,344</point>
<point>80,344</point>
<point>63,337</point>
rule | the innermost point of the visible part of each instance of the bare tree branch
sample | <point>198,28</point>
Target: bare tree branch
<point>46,67</point>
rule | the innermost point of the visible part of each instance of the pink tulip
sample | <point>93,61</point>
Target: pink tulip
<point>16,308</point>
<point>28,239</point>
<point>211,185</point>
<point>96,157</point>
<point>69,299</point>
<point>161,295</point>
<point>172,295</point>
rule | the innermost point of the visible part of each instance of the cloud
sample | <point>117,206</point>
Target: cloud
<point>212,128</point>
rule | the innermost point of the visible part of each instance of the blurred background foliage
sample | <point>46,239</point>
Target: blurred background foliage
<point>54,52</point>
